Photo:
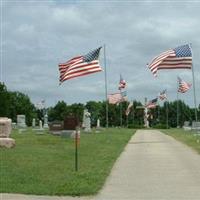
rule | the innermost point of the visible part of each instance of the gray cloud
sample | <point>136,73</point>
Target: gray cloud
<point>37,36</point>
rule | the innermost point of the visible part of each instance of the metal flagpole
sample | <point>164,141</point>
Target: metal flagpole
<point>120,104</point>
<point>106,89</point>
<point>167,110</point>
<point>177,107</point>
<point>194,91</point>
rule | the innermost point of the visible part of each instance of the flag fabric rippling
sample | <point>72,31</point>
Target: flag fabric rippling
<point>177,58</point>
<point>122,83</point>
<point>129,108</point>
<point>183,86</point>
<point>117,97</point>
<point>80,66</point>
<point>152,103</point>
<point>163,95</point>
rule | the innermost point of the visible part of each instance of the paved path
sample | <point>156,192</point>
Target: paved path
<point>153,166</point>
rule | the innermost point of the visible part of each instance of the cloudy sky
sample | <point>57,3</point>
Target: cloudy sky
<point>37,35</point>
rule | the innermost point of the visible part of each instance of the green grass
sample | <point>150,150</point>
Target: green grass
<point>191,138</point>
<point>44,164</point>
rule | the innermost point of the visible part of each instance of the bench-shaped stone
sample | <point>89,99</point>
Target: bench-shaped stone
<point>196,126</point>
<point>187,126</point>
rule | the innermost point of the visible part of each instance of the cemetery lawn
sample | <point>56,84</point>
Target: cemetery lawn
<point>44,164</point>
<point>190,138</point>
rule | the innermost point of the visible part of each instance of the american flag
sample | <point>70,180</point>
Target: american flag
<point>183,86</point>
<point>122,83</point>
<point>129,108</point>
<point>163,95</point>
<point>178,58</point>
<point>152,103</point>
<point>80,65</point>
<point>117,97</point>
<point>40,105</point>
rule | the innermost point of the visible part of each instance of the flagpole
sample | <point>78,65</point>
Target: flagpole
<point>106,88</point>
<point>120,104</point>
<point>177,107</point>
<point>167,110</point>
<point>194,91</point>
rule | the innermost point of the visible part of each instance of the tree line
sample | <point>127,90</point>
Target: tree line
<point>14,103</point>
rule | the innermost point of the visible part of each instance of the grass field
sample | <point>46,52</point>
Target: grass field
<point>191,138</point>
<point>44,164</point>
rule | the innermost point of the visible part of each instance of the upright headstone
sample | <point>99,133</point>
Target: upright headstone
<point>33,123</point>
<point>21,121</point>
<point>40,125</point>
<point>5,130</point>
<point>46,121</point>
<point>98,123</point>
<point>56,127</point>
<point>70,124</point>
<point>86,121</point>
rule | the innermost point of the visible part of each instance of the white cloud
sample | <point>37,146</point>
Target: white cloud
<point>37,36</point>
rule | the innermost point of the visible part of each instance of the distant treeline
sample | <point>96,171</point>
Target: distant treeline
<point>14,103</point>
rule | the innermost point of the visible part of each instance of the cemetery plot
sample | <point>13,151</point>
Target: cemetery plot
<point>45,164</point>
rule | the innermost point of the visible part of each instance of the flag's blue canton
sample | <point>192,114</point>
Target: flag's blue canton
<point>93,55</point>
<point>154,100</point>
<point>183,51</point>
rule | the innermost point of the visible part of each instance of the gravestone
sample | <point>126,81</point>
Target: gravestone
<point>86,121</point>
<point>5,130</point>
<point>21,121</point>
<point>40,125</point>
<point>33,123</point>
<point>196,126</point>
<point>46,121</point>
<point>56,127</point>
<point>187,126</point>
<point>98,123</point>
<point>70,125</point>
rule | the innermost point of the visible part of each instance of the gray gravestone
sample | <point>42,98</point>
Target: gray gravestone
<point>21,121</point>
<point>5,130</point>
<point>46,121</point>
<point>86,121</point>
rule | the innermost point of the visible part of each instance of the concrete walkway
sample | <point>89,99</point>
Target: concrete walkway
<point>153,166</point>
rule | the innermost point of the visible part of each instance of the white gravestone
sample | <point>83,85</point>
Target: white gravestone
<point>86,121</point>
<point>33,122</point>
<point>5,130</point>
<point>46,121</point>
<point>21,121</point>
<point>98,123</point>
<point>40,125</point>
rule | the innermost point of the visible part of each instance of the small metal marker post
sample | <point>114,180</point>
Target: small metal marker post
<point>77,137</point>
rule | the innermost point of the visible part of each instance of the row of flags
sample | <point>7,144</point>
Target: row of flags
<point>177,58</point>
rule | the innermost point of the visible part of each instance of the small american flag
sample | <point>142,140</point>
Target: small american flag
<point>80,66</point>
<point>183,86</point>
<point>122,83</point>
<point>152,103</point>
<point>117,97</point>
<point>178,58</point>
<point>129,108</point>
<point>163,95</point>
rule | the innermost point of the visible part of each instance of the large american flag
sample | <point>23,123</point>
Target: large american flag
<point>178,58</point>
<point>122,83</point>
<point>183,86</point>
<point>80,66</point>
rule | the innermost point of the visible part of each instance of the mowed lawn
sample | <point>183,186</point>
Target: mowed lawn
<point>44,164</point>
<point>191,138</point>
